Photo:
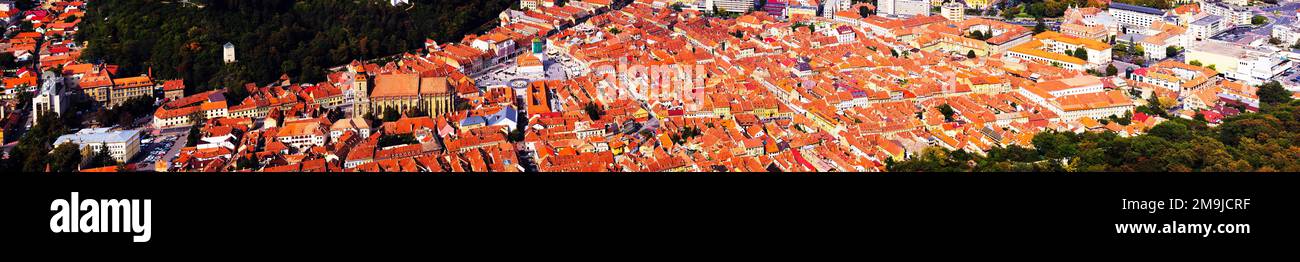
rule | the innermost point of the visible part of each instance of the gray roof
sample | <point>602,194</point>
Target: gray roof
<point>1126,37</point>
<point>1207,20</point>
<point>98,135</point>
<point>1134,8</point>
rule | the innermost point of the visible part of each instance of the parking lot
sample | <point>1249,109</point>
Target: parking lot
<point>563,63</point>
<point>498,75</point>
<point>1291,77</point>
<point>163,147</point>
<point>1232,35</point>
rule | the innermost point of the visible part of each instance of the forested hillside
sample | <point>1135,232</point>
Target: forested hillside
<point>183,39</point>
<point>1264,141</point>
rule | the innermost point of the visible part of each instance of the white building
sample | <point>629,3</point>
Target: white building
<point>302,134</point>
<point>122,144</point>
<point>228,53</point>
<point>954,10</point>
<point>528,4</point>
<point>1132,17</point>
<point>903,8</point>
<point>830,7</point>
<point>49,97</point>
<point>1288,33</point>
<point>1252,65</point>
<point>1208,26</point>
<point>735,6</point>
<point>1235,15</point>
<point>355,124</point>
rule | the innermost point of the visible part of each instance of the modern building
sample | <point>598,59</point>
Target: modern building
<point>528,4</point>
<point>830,7</point>
<point>1132,17</point>
<point>735,6</point>
<point>954,10</point>
<point>50,98</point>
<point>1210,25</point>
<point>1252,65</point>
<point>1289,34</point>
<point>903,8</point>
<point>1235,15</point>
<point>122,144</point>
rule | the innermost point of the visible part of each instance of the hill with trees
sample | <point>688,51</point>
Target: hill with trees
<point>183,39</point>
<point>1265,141</point>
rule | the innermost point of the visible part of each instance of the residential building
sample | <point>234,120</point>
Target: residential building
<point>355,124</point>
<point>303,133</point>
<point>528,4</point>
<point>131,87</point>
<point>1161,36</point>
<point>954,10</point>
<point>1050,48</point>
<point>1210,25</point>
<point>1235,15</point>
<point>830,7</point>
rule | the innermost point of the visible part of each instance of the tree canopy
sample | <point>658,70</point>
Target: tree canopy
<point>1264,141</point>
<point>271,37</point>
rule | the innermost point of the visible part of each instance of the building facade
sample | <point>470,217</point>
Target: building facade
<point>1132,17</point>
<point>122,144</point>
<point>402,92</point>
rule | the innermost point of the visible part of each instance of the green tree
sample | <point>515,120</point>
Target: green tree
<point>65,158</point>
<point>1111,70</point>
<point>593,110</point>
<point>102,157</point>
<point>1273,93</point>
<point>397,139</point>
<point>182,41</point>
<point>1258,20</point>
<point>1055,145</point>
<point>192,139</point>
<point>1010,13</point>
<point>865,12</point>
<point>30,154</point>
<point>1081,53</point>
<point>391,114</point>
<point>947,112</point>
<point>1195,62</point>
<point>970,54</point>
<point>1171,51</point>
<point>1171,130</point>
<point>1040,26</point>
